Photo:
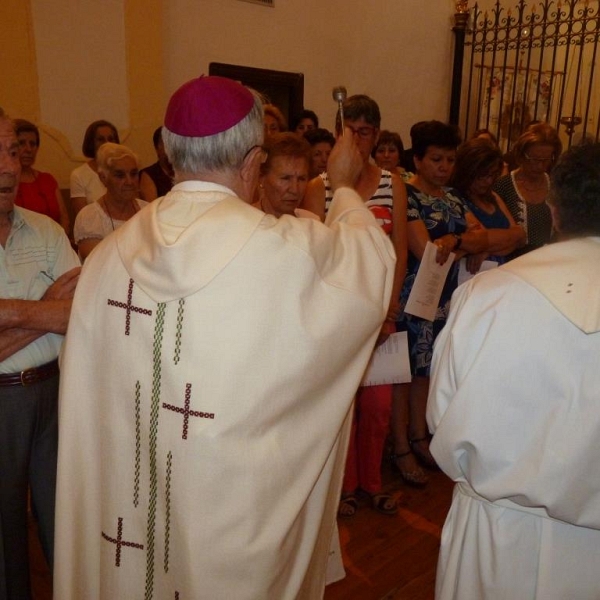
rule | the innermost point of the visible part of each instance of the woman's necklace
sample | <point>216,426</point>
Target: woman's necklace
<point>135,209</point>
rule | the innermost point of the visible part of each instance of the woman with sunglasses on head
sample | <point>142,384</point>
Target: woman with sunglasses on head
<point>478,166</point>
<point>525,190</point>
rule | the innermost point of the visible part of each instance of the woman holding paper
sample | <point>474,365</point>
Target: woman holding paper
<point>385,195</point>
<point>436,213</point>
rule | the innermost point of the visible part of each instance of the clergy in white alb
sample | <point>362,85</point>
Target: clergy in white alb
<point>515,410</point>
<point>211,361</point>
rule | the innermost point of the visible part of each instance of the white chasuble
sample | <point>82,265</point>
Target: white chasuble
<point>207,376</point>
<point>515,407</point>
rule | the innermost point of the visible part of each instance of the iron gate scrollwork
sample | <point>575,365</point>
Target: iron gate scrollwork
<point>535,61</point>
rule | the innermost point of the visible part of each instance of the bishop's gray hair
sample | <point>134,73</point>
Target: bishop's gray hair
<point>219,152</point>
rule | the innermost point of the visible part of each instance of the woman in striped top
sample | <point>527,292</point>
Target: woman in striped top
<point>385,195</point>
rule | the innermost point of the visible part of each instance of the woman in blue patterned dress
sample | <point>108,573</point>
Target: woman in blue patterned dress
<point>438,214</point>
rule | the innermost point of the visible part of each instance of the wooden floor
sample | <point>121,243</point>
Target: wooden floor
<point>386,558</point>
<point>394,558</point>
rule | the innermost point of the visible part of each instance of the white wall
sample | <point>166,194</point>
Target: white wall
<point>399,52</point>
<point>90,83</point>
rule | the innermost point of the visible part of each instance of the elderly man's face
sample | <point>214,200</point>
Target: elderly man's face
<point>10,167</point>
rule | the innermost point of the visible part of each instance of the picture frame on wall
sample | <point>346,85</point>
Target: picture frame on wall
<point>282,88</point>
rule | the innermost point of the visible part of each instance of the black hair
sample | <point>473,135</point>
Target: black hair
<point>433,133</point>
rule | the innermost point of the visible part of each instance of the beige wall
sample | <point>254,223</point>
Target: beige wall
<point>68,62</point>
<point>398,52</point>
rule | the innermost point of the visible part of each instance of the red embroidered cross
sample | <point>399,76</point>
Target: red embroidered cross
<point>186,412</point>
<point>120,542</point>
<point>129,307</point>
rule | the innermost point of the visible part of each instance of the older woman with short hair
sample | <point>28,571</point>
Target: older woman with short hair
<point>525,190</point>
<point>85,183</point>
<point>118,168</point>
<point>283,175</point>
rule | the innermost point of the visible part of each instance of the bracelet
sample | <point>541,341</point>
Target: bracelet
<point>458,241</point>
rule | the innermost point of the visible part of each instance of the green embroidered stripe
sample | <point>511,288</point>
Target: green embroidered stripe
<point>168,510</point>
<point>138,440</point>
<point>178,330</point>
<point>154,410</point>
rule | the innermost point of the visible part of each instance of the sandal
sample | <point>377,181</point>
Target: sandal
<point>348,506</point>
<point>384,504</point>
<point>413,475</point>
<point>420,448</point>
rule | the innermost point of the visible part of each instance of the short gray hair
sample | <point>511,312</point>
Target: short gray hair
<point>108,153</point>
<point>220,152</point>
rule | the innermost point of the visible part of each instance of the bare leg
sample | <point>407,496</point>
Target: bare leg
<point>402,456</point>
<point>417,430</point>
<point>419,389</point>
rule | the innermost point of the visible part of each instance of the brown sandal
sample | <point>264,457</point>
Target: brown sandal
<point>415,476</point>
<point>422,452</point>
<point>384,504</point>
<point>348,506</point>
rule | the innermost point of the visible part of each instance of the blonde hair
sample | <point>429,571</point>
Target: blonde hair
<point>273,111</point>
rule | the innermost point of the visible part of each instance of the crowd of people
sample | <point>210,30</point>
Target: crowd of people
<point>254,322</point>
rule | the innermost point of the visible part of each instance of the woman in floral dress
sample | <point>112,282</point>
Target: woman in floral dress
<point>437,214</point>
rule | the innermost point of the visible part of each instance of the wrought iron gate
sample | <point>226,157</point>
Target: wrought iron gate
<point>533,62</point>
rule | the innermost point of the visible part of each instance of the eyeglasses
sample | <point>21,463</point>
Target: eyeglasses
<point>538,160</point>
<point>265,154</point>
<point>363,132</point>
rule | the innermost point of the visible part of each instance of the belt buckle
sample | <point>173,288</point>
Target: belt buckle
<point>24,376</point>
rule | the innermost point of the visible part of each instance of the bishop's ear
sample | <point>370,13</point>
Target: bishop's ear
<point>252,162</point>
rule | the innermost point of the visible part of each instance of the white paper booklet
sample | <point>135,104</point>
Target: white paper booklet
<point>429,283</point>
<point>389,363</point>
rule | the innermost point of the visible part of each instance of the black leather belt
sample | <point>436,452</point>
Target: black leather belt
<point>29,376</point>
